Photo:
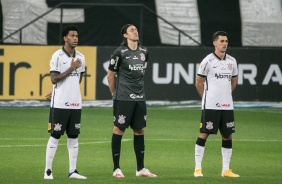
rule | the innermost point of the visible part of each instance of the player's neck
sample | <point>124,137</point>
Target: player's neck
<point>69,50</point>
<point>132,44</point>
<point>221,55</point>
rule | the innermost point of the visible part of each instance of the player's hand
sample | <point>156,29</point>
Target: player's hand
<point>48,96</point>
<point>75,64</point>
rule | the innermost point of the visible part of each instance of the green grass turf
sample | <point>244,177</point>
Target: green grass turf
<point>170,138</point>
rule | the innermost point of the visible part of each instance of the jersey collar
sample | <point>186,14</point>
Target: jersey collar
<point>219,57</point>
<point>68,53</point>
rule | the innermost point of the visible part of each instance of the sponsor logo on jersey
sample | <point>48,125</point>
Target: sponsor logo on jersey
<point>222,105</point>
<point>134,96</point>
<point>135,57</point>
<point>142,57</point>
<point>136,67</point>
<point>72,104</point>
<point>57,127</point>
<point>127,57</point>
<point>124,50</point>
<point>142,49</point>
<point>230,124</point>
<point>209,125</point>
<point>74,74</point>
<point>121,119</point>
<point>77,126</point>
<point>223,76</point>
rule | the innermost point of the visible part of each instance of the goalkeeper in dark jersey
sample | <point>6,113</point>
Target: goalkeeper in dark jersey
<point>126,82</point>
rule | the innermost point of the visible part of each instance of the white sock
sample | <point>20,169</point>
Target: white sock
<point>73,152</point>
<point>226,157</point>
<point>51,149</point>
<point>199,154</point>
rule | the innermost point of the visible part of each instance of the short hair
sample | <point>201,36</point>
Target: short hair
<point>219,33</point>
<point>68,28</point>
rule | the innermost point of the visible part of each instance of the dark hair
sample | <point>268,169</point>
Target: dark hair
<point>68,28</point>
<point>123,31</point>
<point>124,28</point>
<point>219,33</point>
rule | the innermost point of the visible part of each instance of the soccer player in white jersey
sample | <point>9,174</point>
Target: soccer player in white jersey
<point>215,81</point>
<point>66,68</point>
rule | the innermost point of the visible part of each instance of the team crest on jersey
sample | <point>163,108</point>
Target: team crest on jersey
<point>142,57</point>
<point>230,66</point>
<point>121,119</point>
<point>209,125</point>
<point>57,127</point>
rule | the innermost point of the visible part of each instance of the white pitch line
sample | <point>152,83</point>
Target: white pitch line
<point>125,140</point>
<point>44,145</point>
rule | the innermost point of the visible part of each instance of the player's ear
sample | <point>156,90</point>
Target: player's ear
<point>125,35</point>
<point>65,38</point>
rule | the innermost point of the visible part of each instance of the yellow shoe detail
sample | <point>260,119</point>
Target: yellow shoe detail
<point>229,174</point>
<point>198,173</point>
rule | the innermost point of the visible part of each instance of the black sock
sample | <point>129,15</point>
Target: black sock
<point>139,149</point>
<point>227,144</point>
<point>116,144</point>
<point>201,142</point>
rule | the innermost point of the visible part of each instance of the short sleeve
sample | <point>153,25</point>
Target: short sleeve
<point>115,61</point>
<point>235,69</point>
<point>54,63</point>
<point>203,68</point>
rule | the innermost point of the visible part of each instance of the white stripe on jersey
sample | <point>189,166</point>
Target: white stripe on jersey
<point>218,93</point>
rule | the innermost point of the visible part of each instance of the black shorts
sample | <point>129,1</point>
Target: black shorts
<point>212,120</point>
<point>61,120</point>
<point>133,113</point>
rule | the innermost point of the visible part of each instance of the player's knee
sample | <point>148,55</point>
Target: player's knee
<point>118,130</point>
<point>56,136</point>
<point>139,131</point>
<point>72,136</point>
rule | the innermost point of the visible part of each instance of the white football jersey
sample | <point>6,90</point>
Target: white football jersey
<point>217,93</point>
<point>66,93</point>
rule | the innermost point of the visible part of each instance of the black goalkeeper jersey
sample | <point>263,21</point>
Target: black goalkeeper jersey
<point>129,66</point>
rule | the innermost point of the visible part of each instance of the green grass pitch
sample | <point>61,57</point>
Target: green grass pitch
<point>169,137</point>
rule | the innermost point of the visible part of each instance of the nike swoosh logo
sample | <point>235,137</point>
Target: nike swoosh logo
<point>65,62</point>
